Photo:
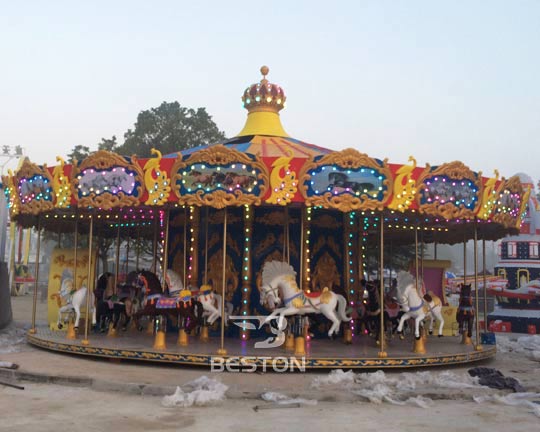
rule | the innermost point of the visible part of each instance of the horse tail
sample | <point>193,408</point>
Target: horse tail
<point>342,308</point>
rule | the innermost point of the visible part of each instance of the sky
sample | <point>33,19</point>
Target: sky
<point>439,80</point>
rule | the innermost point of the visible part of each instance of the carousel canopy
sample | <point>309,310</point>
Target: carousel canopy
<point>263,166</point>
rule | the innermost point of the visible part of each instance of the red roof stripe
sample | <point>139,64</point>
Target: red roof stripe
<point>299,148</point>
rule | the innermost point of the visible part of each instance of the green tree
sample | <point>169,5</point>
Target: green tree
<point>79,152</point>
<point>108,144</point>
<point>170,128</point>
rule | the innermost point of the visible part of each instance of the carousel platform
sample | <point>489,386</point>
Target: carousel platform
<point>320,353</point>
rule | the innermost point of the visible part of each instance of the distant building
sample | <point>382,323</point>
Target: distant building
<point>518,304</point>
<point>519,259</point>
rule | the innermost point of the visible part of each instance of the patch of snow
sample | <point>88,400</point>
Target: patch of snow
<point>529,345</point>
<point>204,391</point>
<point>378,387</point>
<point>11,339</point>
<point>282,399</point>
<point>333,378</point>
<point>513,399</point>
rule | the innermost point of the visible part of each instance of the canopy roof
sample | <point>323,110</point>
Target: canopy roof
<point>263,166</point>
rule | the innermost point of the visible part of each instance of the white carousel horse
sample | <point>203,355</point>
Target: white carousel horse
<point>210,300</point>
<point>74,302</point>
<point>279,284</point>
<point>417,307</point>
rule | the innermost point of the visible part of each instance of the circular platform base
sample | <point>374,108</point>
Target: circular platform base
<point>320,354</point>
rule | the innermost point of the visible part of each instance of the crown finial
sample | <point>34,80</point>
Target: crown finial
<point>264,72</point>
<point>263,100</point>
<point>264,96</point>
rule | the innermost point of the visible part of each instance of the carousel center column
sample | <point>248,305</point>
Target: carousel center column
<point>246,266</point>
<point>194,220</point>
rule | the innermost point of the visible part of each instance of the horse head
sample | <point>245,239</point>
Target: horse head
<point>174,282</point>
<point>150,282</point>
<point>465,297</point>
<point>405,283</point>
<point>275,273</point>
<point>66,289</point>
<point>269,296</point>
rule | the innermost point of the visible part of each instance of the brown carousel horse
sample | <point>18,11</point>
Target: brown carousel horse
<point>183,306</point>
<point>372,317</point>
<point>465,311</point>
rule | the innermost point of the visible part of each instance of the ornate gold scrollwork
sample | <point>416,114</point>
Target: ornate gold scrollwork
<point>219,155</point>
<point>27,171</point>
<point>404,187</point>
<point>215,274</point>
<point>456,171</point>
<point>326,273</point>
<point>503,214</point>
<point>283,186</point>
<point>156,180</point>
<point>348,159</point>
<point>104,160</point>
<point>326,221</point>
<point>13,195</point>
<point>276,218</point>
<point>61,185</point>
<point>490,196</point>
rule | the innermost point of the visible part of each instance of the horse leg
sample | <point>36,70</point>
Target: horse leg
<point>417,326</point>
<point>402,320</point>
<point>77,316</point>
<point>116,315</point>
<point>214,314</point>
<point>470,325</point>
<point>431,319</point>
<point>441,322</point>
<point>59,322</point>
<point>329,313</point>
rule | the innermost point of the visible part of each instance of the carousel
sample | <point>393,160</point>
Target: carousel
<point>256,249</point>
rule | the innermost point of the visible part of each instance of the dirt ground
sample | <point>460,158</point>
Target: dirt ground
<point>54,408</point>
<point>46,407</point>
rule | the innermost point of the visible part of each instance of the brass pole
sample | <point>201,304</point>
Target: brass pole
<point>222,350</point>
<point>117,261</point>
<point>485,281</point>
<point>360,251</point>
<point>345,239</point>
<point>75,253</point>
<point>36,277</point>
<point>127,254</point>
<point>422,254</point>
<point>138,247</point>
<point>465,261</point>
<point>478,347</point>
<point>416,255</point>
<point>154,248</point>
<point>206,246</point>
<point>166,246</point>
<point>382,352</point>
<point>85,341</point>
<point>302,248</point>
<point>185,245</point>
<point>285,234</point>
